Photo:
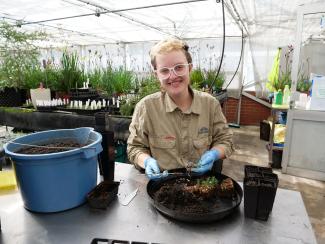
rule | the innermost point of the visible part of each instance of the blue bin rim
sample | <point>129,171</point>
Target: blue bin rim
<point>91,146</point>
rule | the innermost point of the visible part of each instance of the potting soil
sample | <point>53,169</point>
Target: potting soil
<point>54,147</point>
<point>182,195</point>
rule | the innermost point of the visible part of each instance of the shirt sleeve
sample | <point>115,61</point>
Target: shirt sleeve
<point>138,142</point>
<point>222,134</point>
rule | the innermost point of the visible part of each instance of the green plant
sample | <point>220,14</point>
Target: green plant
<point>16,110</point>
<point>71,73</point>
<point>279,81</point>
<point>33,77</point>
<point>122,81</point>
<point>197,78</point>
<point>210,77</point>
<point>53,77</point>
<point>209,181</point>
<point>17,54</point>
<point>95,77</point>
<point>127,107</point>
<point>147,86</point>
<point>117,81</point>
<point>304,84</point>
<point>106,83</point>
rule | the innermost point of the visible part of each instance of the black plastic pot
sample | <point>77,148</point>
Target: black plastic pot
<point>250,170</point>
<point>276,159</point>
<point>251,188</point>
<point>265,129</point>
<point>260,186</point>
<point>267,190</point>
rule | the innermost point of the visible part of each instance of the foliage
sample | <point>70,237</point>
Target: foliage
<point>202,79</point>
<point>33,77</point>
<point>106,83</point>
<point>117,81</point>
<point>147,86</point>
<point>18,54</point>
<point>197,78</point>
<point>16,110</point>
<point>71,73</point>
<point>127,107</point>
<point>95,77</point>
<point>279,81</point>
<point>304,84</point>
<point>209,181</point>
<point>210,76</point>
<point>122,81</point>
<point>53,77</point>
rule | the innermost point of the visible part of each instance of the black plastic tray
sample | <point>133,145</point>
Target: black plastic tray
<point>111,241</point>
<point>103,194</point>
<point>226,206</point>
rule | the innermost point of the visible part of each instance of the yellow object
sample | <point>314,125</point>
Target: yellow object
<point>282,106</point>
<point>273,76</point>
<point>7,180</point>
<point>279,133</point>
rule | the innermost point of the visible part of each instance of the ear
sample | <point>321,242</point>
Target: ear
<point>155,73</point>
<point>190,67</point>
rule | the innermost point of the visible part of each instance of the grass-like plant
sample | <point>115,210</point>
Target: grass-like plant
<point>71,71</point>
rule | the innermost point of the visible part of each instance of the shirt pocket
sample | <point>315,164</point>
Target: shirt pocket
<point>164,151</point>
<point>200,145</point>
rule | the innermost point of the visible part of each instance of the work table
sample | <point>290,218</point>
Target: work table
<point>140,221</point>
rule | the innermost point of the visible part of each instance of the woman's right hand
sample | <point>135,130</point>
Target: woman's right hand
<point>152,169</point>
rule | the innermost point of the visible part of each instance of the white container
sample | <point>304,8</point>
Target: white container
<point>40,94</point>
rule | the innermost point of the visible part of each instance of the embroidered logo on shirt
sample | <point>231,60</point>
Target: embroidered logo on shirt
<point>203,130</point>
<point>170,137</point>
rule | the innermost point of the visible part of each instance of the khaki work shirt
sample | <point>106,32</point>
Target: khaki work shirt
<point>175,138</point>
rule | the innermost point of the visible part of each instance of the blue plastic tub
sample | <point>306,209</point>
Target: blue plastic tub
<point>56,181</point>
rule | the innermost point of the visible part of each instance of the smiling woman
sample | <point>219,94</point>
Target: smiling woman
<point>178,124</point>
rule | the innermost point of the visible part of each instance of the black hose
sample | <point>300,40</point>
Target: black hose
<point>223,45</point>
<point>241,54</point>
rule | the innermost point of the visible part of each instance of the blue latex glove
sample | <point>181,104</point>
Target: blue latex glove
<point>206,161</point>
<point>152,169</point>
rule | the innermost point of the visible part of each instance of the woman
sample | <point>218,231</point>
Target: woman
<point>177,127</point>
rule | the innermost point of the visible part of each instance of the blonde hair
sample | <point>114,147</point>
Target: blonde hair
<point>166,46</point>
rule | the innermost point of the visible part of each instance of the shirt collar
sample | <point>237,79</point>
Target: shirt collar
<point>171,106</point>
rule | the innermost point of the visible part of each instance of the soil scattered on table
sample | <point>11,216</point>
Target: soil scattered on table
<point>193,196</point>
<point>54,147</point>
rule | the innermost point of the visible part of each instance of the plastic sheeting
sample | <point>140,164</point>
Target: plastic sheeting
<point>125,37</point>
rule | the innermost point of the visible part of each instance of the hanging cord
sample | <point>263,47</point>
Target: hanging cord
<point>241,54</point>
<point>223,45</point>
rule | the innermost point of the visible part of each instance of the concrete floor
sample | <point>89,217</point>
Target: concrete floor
<point>251,150</point>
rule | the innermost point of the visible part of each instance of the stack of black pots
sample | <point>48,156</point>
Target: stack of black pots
<point>260,185</point>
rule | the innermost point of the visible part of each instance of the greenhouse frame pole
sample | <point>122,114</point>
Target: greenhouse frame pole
<point>113,11</point>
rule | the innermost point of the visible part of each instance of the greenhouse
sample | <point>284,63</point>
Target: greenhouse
<point>193,121</point>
